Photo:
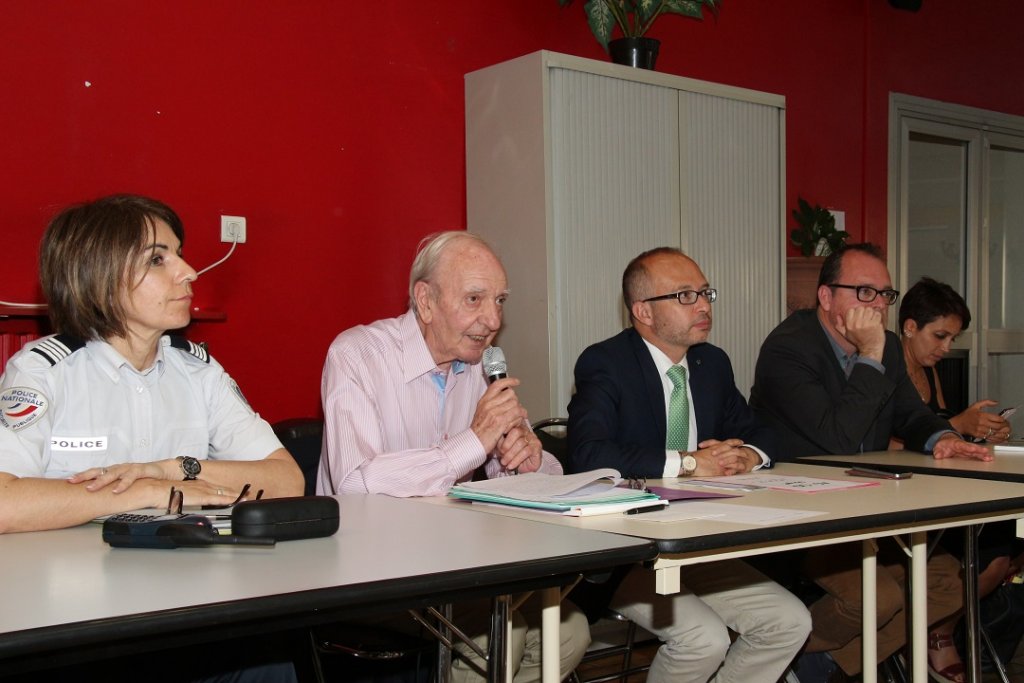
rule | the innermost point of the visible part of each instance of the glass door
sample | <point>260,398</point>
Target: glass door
<point>940,228</point>
<point>1003,341</point>
<point>938,208</point>
<point>957,215</point>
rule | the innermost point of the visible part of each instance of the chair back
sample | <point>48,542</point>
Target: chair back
<point>552,432</point>
<point>303,438</point>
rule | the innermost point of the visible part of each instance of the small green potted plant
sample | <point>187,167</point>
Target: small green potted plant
<point>634,18</point>
<point>817,234</point>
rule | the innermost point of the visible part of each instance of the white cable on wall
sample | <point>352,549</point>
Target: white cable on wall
<point>19,305</point>
<point>234,243</point>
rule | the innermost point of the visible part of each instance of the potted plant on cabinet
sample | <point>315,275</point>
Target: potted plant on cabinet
<point>816,237</point>
<point>817,234</point>
<point>634,18</point>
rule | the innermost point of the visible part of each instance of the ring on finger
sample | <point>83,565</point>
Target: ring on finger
<point>220,492</point>
<point>103,470</point>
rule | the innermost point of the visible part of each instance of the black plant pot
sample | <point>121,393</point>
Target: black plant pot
<point>639,53</point>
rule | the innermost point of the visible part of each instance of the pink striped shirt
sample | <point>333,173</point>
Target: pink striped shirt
<point>388,426</point>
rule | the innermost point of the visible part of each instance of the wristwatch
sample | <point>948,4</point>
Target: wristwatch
<point>688,466</point>
<point>190,467</point>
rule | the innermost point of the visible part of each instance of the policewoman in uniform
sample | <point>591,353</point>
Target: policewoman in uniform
<point>111,412</point>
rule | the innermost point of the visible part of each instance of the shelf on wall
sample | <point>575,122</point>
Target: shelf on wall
<point>22,312</point>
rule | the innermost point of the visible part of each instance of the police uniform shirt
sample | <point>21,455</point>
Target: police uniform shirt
<point>72,406</point>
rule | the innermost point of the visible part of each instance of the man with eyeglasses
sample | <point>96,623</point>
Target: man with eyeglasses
<point>833,380</point>
<point>656,400</point>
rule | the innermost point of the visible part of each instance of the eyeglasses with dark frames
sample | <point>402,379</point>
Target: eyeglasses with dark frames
<point>867,294</point>
<point>687,297</point>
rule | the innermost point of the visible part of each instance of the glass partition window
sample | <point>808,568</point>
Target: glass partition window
<point>1006,239</point>
<point>1005,371</point>
<point>957,212</point>
<point>937,209</point>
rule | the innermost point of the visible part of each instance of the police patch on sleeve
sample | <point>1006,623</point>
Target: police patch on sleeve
<point>21,407</point>
<point>238,392</point>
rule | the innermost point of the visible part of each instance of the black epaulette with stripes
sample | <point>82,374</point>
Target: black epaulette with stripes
<point>58,347</point>
<point>197,350</point>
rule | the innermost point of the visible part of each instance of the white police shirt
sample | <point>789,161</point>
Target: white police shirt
<point>70,406</point>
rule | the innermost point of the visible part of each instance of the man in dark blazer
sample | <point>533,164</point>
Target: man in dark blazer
<point>624,415</point>
<point>618,413</point>
<point>833,380</point>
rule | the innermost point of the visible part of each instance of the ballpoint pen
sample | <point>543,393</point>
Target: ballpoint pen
<point>649,508</point>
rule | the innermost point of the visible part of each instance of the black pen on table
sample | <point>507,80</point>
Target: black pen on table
<point>646,508</point>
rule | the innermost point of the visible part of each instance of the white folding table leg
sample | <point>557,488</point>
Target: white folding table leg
<point>551,617</point>
<point>869,612</point>
<point>666,580</point>
<point>919,605</point>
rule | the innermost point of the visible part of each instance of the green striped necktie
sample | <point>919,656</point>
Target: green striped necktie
<point>678,433</point>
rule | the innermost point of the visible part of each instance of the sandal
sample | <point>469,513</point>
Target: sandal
<point>955,672</point>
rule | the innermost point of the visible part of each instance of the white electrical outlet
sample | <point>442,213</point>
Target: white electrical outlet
<point>232,229</point>
<point>840,217</point>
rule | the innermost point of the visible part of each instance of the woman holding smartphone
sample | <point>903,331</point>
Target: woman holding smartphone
<point>932,315</point>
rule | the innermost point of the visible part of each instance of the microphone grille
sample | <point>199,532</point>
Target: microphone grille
<point>494,361</point>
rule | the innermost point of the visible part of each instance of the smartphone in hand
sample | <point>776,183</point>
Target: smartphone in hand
<point>1007,413</point>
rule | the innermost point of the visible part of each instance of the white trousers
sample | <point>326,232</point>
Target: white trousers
<point>770,622</point>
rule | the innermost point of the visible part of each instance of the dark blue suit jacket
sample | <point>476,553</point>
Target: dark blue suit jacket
<point>617,415</point>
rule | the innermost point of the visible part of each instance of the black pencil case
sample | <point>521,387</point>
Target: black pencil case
<point>286,519</point>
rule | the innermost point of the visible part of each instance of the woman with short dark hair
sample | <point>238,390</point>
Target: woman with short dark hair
<point>932,315</point>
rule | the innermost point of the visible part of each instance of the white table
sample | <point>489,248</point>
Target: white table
<point>65,590</point>
<point>1005,467</point>
<point>913,507</point>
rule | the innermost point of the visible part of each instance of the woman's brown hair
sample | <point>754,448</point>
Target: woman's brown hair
<point>89,257</point>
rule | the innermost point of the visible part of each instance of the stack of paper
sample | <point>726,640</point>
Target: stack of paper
<point>587,493</point>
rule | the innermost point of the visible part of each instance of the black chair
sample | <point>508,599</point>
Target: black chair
<point>376,654</point>
<point>370,654</point>
<point>553,433</point>
<point>303,438</point>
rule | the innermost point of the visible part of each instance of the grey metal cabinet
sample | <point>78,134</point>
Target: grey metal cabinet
<point>574,166</point>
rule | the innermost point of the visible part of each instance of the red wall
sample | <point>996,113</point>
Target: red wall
<point>336,128</point>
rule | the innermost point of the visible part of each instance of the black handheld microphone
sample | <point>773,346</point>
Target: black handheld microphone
<point>495,367</point>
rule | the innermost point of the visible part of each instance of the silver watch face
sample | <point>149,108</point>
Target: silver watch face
<point>689,463</point>
<point>191,467</point>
